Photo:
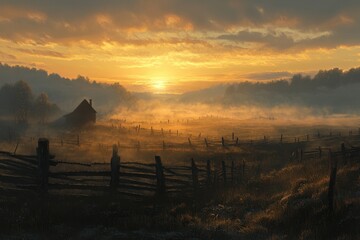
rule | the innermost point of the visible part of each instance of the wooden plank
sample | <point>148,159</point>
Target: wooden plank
<point>133,187</point>
<point>16,179</point>
<point>81,173</point>
<point>139,169</point>
<point>137,175</point>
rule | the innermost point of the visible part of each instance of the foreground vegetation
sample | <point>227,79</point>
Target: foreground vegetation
<point>286,199</point>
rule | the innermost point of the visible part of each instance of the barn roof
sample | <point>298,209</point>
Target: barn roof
<point>83,106</point>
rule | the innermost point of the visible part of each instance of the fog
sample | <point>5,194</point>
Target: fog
<point>330,97</point>
<point>68,93</point>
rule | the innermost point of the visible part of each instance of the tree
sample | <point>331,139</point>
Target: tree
<point>42,107</point>
<point>21,101</point>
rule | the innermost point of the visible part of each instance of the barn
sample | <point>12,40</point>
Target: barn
<point>83,115</point>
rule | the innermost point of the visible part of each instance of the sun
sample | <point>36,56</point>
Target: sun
<point>159,85</point>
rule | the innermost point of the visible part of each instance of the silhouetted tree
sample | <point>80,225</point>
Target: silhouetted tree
<point>21,101</point>
<point>42,107</point>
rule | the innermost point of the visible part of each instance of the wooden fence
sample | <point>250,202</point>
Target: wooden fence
<point>130,178</point>
<point>141,179</point>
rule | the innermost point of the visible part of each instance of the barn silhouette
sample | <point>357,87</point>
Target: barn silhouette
<point>83,115</point>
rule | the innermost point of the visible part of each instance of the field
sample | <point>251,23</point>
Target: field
<point>223,178</point>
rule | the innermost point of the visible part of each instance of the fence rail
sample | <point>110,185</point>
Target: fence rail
<point>141,179</point>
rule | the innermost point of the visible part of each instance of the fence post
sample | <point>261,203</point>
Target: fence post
<point>206,143</point>
<point>194,173</point>
<point>281,138</point>
<point>222,141</point>
<point>232,172</point>
<point>237,141</point>
<point>223,171</point>
<point>208,173</point>
<point>43,157</point>
<point>160,177</point>
<point>343,151</point>
<point>189,142</point>
<point>332,181</point>
<point>115,168</point>
<point>243,169</point>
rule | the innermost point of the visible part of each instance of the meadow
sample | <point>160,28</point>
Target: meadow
<point>270,191</point>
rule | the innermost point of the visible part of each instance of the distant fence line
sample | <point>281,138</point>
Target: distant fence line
<point>170,142</point>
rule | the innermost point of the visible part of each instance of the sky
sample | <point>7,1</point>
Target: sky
<point>174,46</point>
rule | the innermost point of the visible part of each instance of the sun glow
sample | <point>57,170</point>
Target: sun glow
<point>159,85</point>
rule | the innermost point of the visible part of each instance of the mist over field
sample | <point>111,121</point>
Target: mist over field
<point>329,93</point>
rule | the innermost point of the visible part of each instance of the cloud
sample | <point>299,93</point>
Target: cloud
<point>38,52</point>
<point>6,56</point>
<point>334,23</point>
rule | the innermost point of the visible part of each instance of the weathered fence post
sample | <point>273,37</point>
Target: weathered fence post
<point>243,169</point>
<point>206,143</point>
<point>115,168</point>
<point>160,177</point>
<point>189,142</point>
<point>237,141</point>
<point>208,172</point>
<point>281,138</point>
<point>222,141</point>
<point>343,151</point>
<point>43,157</point>
<point>332,181</point>
<point>194,174</point>
<point>232,172</point>
<point>224,171</point>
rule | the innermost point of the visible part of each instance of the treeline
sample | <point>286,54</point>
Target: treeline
<point>19,104</point>
<point>68,93</point>
<point>334,90</point>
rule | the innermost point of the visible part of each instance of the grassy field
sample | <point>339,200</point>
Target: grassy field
<point>279,197</point>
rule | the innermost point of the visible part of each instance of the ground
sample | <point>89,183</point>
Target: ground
<point>279,197</point>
